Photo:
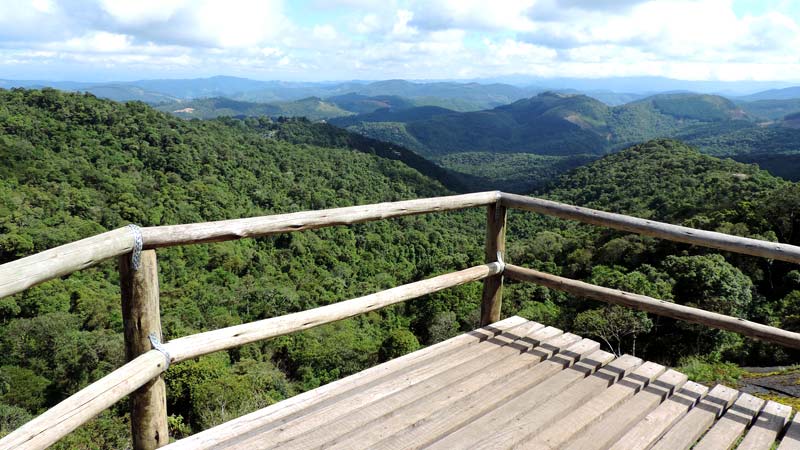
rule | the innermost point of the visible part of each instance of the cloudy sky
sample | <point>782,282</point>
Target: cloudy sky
<point>314,40</point>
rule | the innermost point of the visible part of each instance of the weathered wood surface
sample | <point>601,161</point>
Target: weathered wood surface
<point>686,432</point>
<point>532,420</point>
<point>727,430</point>
<point>224,230</point>
<point>329,394</point>
<point>602,433</point>
<point>655,306</point>
<point>211,341</point>
<point>791,440</point>
<point>519,388</point>
<point>267,430</point>
<point>768,425</point>
<point>82,406</point>
<point>492,300</point>
<point>645,433</point>
<point>16,276</point>
<point>351,416</point>
<point>358,410</point>
<point>140,317</point>
<point>463,412</point>
<point>388,421</point>
<point>574,422</point>
<point>737,244</point>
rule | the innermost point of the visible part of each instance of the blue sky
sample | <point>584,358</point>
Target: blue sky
<point>101,40</point>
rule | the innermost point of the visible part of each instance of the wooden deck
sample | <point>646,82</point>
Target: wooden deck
<point>514,384</point>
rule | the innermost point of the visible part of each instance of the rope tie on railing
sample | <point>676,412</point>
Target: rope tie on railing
<point>136,253</point>
<point>157,346</point>
<point>500,261</point>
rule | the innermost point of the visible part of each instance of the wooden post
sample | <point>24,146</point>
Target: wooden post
<point>141,316</point>
<point>495,242</point>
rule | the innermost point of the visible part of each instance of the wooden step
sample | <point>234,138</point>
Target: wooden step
<point>332,392</point>
<point>646,432</point>
<point>604,432</point>
<point>686,432</point>
<point>768,425</point>
<point>791,441</point>
<point>525,420</point>
<point>438,373</point>
<point>557,434</point>
<point>439,388</point>
<point>466,410</point>
<point>727,430</point>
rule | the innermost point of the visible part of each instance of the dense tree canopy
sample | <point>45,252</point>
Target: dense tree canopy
<point>73,166</point>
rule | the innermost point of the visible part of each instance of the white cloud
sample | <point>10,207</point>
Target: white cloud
<point>99,42</point>
<point>473,14</point>
<point>409,38</point>
<point>324,32</point>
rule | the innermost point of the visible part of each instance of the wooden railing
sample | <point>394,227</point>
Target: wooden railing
<point>148,358</point>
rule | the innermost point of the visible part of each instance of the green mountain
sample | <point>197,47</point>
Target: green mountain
<point>312,108</point>
<point>775,94</point>
<point>362,104</point>
<point>569,128</point>
<point>771,109</point>
<point>554,124</point>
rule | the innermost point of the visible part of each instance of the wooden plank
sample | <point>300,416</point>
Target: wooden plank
<point>655,306</point>
<point>276,432</point>
<point>211,341</point>
<point>684,433</point>
<point>527,420</point>
<point>463,413</point>
<point>87,403</point>
<point>495,245</point>
<point>225,230</point>
<point>574,422</point>
<point>645,433</point>
<point>768,425</point>
<point>791,440</point>
<point>747,246</point>
<point>140,317</point>
<point>727,430</point>
<point>332,392</point>
<point>601,434</point>
<point>16,276</point>
<point>390,419</point>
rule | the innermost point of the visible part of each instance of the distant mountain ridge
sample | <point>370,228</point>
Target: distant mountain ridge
<point>552,123</point>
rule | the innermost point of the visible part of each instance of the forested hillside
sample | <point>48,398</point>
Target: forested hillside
<point>561,130</point>
<point>668,181</point>
<point>72,166</point>
<point>313,108</point>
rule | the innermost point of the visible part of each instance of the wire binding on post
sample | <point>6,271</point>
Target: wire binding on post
<point>157,345</point>
<point>500,261</point>
<point>136,253</point>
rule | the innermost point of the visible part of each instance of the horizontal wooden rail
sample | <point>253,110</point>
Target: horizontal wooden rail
<point>737,244</point>
<point>68,415</point>
<point>165,236</point>
<point>225,338</point>
<point>655,306</point>
<point>16,276</point>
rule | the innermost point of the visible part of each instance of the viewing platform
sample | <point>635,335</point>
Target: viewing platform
<point>511,384</point>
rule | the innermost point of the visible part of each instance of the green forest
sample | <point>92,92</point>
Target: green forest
<point>74,166</point>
